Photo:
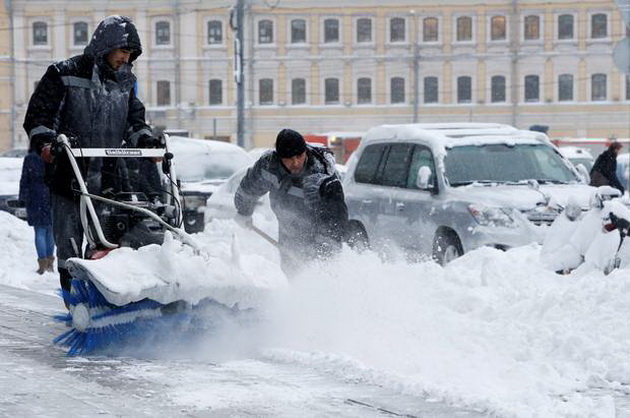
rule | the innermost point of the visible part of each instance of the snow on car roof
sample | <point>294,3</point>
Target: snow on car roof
<point>448,135</point>
<point>575,152</point>
<point>196,145</point>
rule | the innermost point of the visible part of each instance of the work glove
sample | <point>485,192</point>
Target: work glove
<point>150,141</point>
<point>43,143</point>
<point>320,187</point>
<point>244,221</point>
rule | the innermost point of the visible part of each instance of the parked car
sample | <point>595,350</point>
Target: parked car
<point>623,170</point>
<point>201,167</point>
<point>442,190</point>
<point>10,173</point>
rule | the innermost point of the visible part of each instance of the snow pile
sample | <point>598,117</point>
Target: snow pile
<point>494,331</point>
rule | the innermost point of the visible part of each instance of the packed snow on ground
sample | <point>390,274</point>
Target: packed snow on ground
<point>493,330</point>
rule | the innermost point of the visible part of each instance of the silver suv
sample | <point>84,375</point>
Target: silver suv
<point>441,190</point>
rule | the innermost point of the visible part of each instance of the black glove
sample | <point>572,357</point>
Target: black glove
<point>39,141</point>
<point>619,223</point>
<point>150,141</point>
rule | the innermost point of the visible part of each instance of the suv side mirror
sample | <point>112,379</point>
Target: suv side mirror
<point>582,171</point>
<point>422,180</point>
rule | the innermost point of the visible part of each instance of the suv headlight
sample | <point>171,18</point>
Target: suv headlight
<point>492,216</point>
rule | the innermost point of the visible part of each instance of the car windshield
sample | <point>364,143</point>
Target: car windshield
<point>502,163</point>
<point>586,162</point>
<point>216,165</point>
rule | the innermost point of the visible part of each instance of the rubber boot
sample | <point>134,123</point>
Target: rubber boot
<point>51,263</point>
<point>42,263</point>
<point>66,283</point>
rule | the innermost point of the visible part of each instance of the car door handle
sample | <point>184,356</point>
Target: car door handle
<point>400,206</point>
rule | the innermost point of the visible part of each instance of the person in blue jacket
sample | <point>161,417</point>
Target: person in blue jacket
<point>35,194</point>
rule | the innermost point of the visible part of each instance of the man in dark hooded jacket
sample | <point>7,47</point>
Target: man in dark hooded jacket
<point>306,196</point>
<point>604,171</point>
<point>89,98</point>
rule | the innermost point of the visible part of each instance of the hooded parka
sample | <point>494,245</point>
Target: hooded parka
<point>83,98</point>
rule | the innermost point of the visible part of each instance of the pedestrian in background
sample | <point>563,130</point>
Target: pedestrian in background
<point>604,171</point>
<point>35,194</point>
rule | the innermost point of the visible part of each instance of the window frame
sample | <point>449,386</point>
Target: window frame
<point>39,25</point>
<point>295,88</point>
<point>259,27</point>
<point>597,86</point>
<point>526,28</point>
<point>531,77</point>
<point>363,89</point>
<point>325,90</point>
<point>591,26</point>
<point>208,33</point>
<point>424,89</point>
<point>324,31</point>
<point>399,89</point>
<point>559,27</point>
<point>294,30</point>
<point>424,30</point>
<point>491,20</point>
<point>210,92</point>
<point>459,99</point>
<point>163,87</point>
<point>456,28</point>
<point>357,38</point>
<point>262,89</point>
<point>492,88</point>
<point>560,85</point>
<point>74,33</point>
<point>156,41</point>
<point>391,27</point>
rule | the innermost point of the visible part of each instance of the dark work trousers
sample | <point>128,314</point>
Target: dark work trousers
<point>68,233</point>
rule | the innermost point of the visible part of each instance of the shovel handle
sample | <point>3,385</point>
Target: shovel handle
<point>264,235</point>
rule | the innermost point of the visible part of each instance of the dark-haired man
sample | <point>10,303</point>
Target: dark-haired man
<point>90,98</point>
<point>306,196</point>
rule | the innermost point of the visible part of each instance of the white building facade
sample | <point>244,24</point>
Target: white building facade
<point>349,65</point>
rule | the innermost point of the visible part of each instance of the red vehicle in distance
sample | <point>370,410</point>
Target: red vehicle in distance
<point>342,144</point>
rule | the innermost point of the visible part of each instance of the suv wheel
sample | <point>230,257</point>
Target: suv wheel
<point>356,236</point>
<point>446,247</point>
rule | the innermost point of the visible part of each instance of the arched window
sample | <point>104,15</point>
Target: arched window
<point>215,93</point>
<point>599,26</point>
<point>497,89</point>
<point>532,88</point>
<point>265,91</point>
<point>298,31</point>
<point>532,28</point>
<point>80,33</point>
<point>331,31</point>
<point>464,28</point>
<point>598,87</point>
<point>397,29</point>
<point>565,27</point>
<point>331,91</point>
<point>298,91</point>
<point>364,30</point>
<point>565,87</point>
<point>265,32</point>
<point>430,29</point>
<point>464,89</point>
<point>498,32</point>
<point>364,91</point>
<point>397,90</point>
<point>430,89</point>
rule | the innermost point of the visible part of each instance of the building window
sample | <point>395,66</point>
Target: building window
<point>497,93</point>
<point>397,29</point>
<point>397,90</point>
<point>464,89</point>
<point>565,27</point>
<point>565,87</point>
<point>163,93</point>
<point>265,91</point>
<point>364,91</point>
<point>216,92</point>
<point>298,31</point>
<point>532,28</point>
<point>215,32</point>
<point>430,89</point>
<point>464,28</point>
<point>80,33</point>
<point>162,33</point>
<point>298,91</point>
<point>331,88</point>
<point>627,86</point>
<point>364,30</point>
<point>598,87</point>
<point>430,29</point>
<point>498,32</point>
<point>265,32</point>
<point>40,33</point>
<point>331,31</point>
<point>532,88</point>
<point>599,26</point>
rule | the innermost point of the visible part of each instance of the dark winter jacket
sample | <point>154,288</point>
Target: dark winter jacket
<point>85,99</point>
<point>34,192</point>
<point>309,206</point>
<point>604,171</point>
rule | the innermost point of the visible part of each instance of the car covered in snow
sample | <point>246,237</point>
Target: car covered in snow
<point>10,173</point>
<point>201,167</point>
<point>441,190</point>
<point>623,170</point>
